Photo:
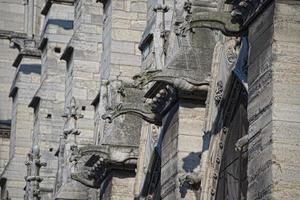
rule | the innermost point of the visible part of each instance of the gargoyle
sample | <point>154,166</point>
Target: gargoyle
<point>232,23</point>
<point>192,179</point>
<point>94,162</point>
<point>145,112</point>
<point>221,21</point>
<point>180,83</point>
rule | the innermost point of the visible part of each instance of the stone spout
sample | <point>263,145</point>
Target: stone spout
<point>145,113</point>
<point>180,83</point>
<point>222,21</point>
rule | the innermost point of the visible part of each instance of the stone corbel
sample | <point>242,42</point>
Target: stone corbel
<point>94,163</point>
<point>179,83</point>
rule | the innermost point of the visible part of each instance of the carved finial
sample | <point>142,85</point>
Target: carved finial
<point>72,114</point>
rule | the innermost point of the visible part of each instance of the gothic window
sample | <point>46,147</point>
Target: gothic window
<point>232,184</point>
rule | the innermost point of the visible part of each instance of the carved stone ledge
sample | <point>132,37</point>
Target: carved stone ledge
<point>49,3</point>
<point>95,162</point>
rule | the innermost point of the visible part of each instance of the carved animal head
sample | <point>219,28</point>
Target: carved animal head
<point>142,79</point>
<point>112,113</point>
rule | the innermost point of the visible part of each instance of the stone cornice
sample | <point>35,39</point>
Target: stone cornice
<point>49,3</point>
<point>26,47</point>
<point>30,53</point>
<point>4,34</point>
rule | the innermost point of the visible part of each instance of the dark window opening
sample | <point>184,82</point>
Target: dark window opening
<point>57,49</point>
<point>232,179</point>
<point>49,116</point>
<point>83,108</point>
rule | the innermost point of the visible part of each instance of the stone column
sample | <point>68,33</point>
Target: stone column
<point>273,111</point>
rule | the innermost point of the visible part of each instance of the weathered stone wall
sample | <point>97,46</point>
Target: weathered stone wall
<point>57,30</point>
<point>119,186</point>
<point>12,15</point>
<point>82,55</point>
<point>25,83</point>
<point>183,132</point>
<point>4,152</point>
<point>83,69</point>
<point>273,106</point>
<point>7,56</point>
<point>124,22</point>
<point>6,76</point>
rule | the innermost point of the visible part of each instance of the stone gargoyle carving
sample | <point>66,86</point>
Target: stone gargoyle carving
<point>232,23</point>
<point>93,163</point>
<point>145,112</point>
<point>192,179</point>
<point>150,110</point>
<point>221,21</point>
<point>180,83</point>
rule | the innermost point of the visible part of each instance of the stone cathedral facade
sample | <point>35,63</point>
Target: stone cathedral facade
<point>149,99</point>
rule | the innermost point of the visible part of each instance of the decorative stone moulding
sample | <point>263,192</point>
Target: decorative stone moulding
<point>93,163</point>
<point>232,23</point>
